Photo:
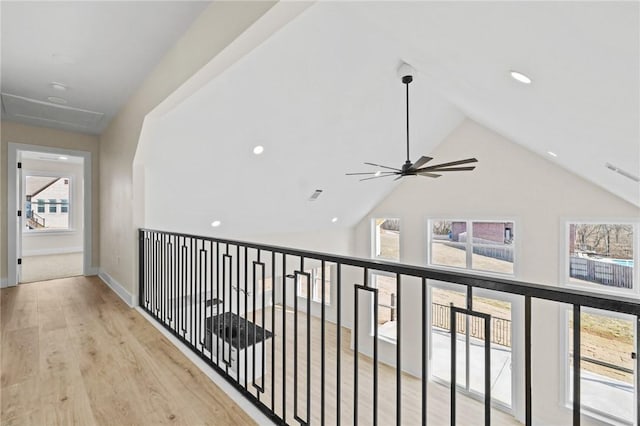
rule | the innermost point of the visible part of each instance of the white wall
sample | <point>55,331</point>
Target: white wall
<point>511,182</point>
<point>37,242</point>
<point>210,34</point>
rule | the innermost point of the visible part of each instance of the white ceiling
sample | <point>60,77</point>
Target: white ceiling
<point>101,51</point>
<point>322,96</point>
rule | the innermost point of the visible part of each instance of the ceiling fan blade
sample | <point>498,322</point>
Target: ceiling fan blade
<point>370,173</point>
<point>454,163</point>
<point>384,167</point>
<point>447,169</point>
<point>378,177</point>
<point>421,162</point>
<point>433,175</point>
<point>398,178</point>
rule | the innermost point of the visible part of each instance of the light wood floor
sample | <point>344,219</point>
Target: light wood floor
<point>469,412</point>
<point>73,353</point>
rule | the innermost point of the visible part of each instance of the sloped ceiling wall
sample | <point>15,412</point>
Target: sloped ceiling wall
<point>322,96</point>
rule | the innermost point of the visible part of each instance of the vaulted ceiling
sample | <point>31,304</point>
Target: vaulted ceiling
<point>323,95</point>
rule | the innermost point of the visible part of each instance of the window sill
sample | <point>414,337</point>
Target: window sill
<point>33,233</point>
<point>477,272</point>
<point>602,289</point>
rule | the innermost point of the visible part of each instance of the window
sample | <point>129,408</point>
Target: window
<point>601,256</point>
<point>387,306</point>
<point>386,239</point>
<point>478,245</point>
<point>471,340</point>
<point>316,285</point>
<point>606,364</point>
<point>53,207</point>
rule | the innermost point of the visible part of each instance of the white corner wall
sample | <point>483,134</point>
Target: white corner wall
<point>212,32</point>
<point>510,182</point>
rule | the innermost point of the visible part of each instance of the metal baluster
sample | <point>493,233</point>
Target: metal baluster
<point>425,378</point>
<point>527,360</point>
<point>338,340</point>
<point>398,351</point>
<point>322,343</point>
<point>576,365</point>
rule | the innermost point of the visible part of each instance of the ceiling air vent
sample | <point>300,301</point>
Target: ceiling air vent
<point>622,172</point>
<point>50,113</point>
<point>315,195</point>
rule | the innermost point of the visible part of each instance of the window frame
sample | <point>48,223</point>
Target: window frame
<point>71,177</point>
<point>316,284</point>
<point>374,238</point>
<point>566,314</point>
<point>469,246</point>
<point>565,279</point>
<point>374,284</point>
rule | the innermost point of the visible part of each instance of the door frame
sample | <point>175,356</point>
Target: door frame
<point>13,229</point>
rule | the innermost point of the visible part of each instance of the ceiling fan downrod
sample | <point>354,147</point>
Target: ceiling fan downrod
<point>406,80</point>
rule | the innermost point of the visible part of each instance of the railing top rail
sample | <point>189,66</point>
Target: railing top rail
<point>616,303</point>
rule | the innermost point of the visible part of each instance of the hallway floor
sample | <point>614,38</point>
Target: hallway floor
<point>73,353</point>
<point>52,266</point>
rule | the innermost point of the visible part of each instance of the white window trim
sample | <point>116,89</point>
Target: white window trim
<point>371,332</point>
<point>71,229</point>
<point>567,401</point>
<point>469,247</point>
<point>317,289</point>
<point>599,288</point>
<point>517,342</point>
<point>374,239</point>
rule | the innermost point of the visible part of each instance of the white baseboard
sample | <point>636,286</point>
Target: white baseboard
<point>50,251</point>
<point>117,288</point>
<point>3,283</point>
<point>216,378</point>
<point>92,271</point>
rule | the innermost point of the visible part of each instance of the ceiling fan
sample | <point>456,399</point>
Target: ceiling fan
<point>415,169</point>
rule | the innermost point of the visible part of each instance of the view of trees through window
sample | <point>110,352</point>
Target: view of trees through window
<point>601,253</point>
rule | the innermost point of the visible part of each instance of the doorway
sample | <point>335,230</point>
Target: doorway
<point>50,191</point>
<point>471,341</point>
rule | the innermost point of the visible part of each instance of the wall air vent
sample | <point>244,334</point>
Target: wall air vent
<point>622,172</point>
<point>315,195</point>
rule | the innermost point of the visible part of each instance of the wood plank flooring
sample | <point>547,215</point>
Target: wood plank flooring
<point>469,412</point>
<point>73,353</point>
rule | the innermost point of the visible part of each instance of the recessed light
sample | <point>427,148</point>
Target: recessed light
<point>58,86</point>
<point>553,154</point>
<point>258,150</point>
<point>216,223</point>
<point>63,158</point>
<point>378,173</point>
<point>334,220</point>
<point>518,76</point>
<point>57,100</point>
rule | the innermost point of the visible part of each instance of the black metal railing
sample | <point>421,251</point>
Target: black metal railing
<point>238,306</point>
<point>500,327</point>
